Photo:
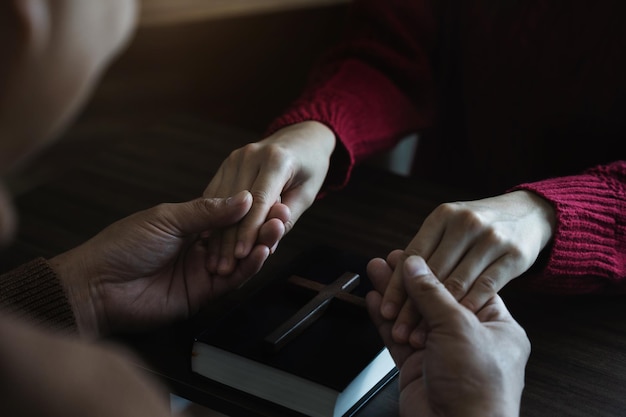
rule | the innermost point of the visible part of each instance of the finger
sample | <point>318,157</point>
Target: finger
<point>407,320</point>
<point>423,244</point>
<point>450,250</point>
<point>214,238</point>
<point>214,244</point>
<point>266,191</point>
<point>379,272</point>
<point>270,234</point>
<point>246,269</point>
<point>234,175</point>
<point>372,301</point>
<point>250,265</point>
<point>418,336</point>
<point>476,260</point>
<point>233,206</point>
<point>394,258</point>
<point>201,214</point>
<point>298,200</point>
<point>429,234</point>
<point>232,183</point>
<point>433,301</point>
<point>227,261</point>
<point>399,353</point>
<point>489,282</point>
<point>279,211</point>
<point>394,296</point>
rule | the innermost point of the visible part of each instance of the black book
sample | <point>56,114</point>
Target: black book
<point>331,368</point>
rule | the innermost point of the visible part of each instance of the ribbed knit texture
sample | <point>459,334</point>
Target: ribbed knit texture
<point>589,248</point>
<point>502,93</point>
<point>33,292</point>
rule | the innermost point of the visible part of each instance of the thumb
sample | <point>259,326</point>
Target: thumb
<point>430,297</point>
<point>203,214</point>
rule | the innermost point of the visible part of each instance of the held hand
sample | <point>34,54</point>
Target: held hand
<point>474,362</point>
<point>288,167</point>
<point>149,268</point>
<point>474,248</point>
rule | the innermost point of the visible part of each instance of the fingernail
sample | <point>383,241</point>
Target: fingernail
<point>238,198</point>
<point>401,333</point>
<point>388,310</point>
<point>240,250</point>
<point>223,267</point>
<point>418,339</point>
<point>273,248</point>
<point>415,265</point>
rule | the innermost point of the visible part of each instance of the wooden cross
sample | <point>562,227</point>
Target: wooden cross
<point>312,310</point>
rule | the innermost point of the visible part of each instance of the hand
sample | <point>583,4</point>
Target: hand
<point>474,248</point>
<point>149,268</point>
<point>474,363</point>
<point>48,375</point>
<point>288,167</point>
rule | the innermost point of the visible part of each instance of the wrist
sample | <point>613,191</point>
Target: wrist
<point>545,211</point>
<point>323,135</point>
<point>72,272</point>
<point>310,133</point>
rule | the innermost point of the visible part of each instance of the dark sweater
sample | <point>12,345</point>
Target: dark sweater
<point>33,292</point>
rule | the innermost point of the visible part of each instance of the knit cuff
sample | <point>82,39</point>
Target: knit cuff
<point>583,253</point>
<point>33,292</point>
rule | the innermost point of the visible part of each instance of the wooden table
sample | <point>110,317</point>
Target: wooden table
<point>578,362</point>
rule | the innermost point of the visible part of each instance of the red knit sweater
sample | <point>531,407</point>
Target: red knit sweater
<point>505,95</point>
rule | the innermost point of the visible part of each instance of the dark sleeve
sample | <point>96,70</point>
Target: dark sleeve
<point>33,292</point>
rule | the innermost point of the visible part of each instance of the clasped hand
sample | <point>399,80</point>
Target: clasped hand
<point>474,248</point>
<point>150,268</point>
<point>287,167</point>
<point>467,364</point>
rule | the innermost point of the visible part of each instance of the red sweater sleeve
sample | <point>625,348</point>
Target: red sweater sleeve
<point>588,253</point>
<point>376,86</point>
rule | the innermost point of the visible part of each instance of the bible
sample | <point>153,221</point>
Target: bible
<point>304,342</point>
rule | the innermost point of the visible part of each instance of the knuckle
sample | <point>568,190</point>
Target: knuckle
<point>289,225</point>
<point>456,286</point>
<point>208,204</point>
<point>261,197</point>
<point>487,284</point>
<point>245,151</point>
<point>495,238</point>
<point>445,209</point>
<point>160,210</point>
<point>276,154</point>
<point>461,216</point>
<point>470,220</point>
<point>415,249</point>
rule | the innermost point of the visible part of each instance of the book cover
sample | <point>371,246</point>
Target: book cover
<point>329,368</point>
